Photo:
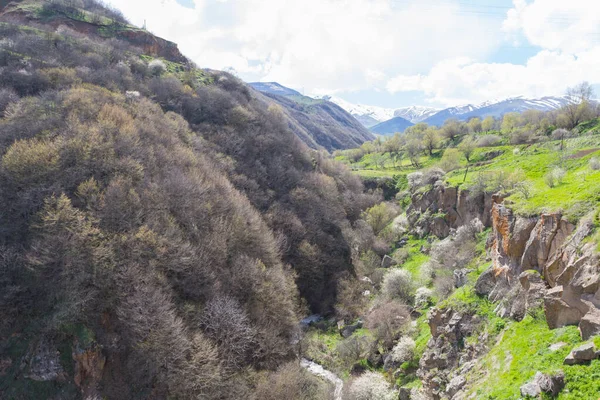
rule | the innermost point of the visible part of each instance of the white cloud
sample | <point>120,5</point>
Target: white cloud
<point>321,45</point>
<point>337,46</point>
<point>570,26</point>
<point>569,37</point>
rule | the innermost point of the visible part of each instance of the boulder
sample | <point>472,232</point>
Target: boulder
<point>581,354</point>
<point>531,389</point>
<point>590,324</point>
<point>348,330</point>
<point>455,384</point>
<point>387,262</point>
<point>558,312</point>
<point>486,282</point>
<point>460,277</point>
<point>542,383</point>
<point>557,346</point>
<point>402,242</point>
<point>586,352</point>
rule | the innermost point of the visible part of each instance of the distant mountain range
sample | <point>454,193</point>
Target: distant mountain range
<point>497,109</point>
<point>391,126</point>
<point>370,116</point>
<point>386,121</point>
<point>319,123</point>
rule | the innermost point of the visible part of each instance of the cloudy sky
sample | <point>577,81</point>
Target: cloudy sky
<point>389,53</point>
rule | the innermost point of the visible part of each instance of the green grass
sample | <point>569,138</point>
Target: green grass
<point>415,258</point>
<point>523,349</point>
<point>580,185</point>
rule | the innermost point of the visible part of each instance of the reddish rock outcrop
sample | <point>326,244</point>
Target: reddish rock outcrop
<point>89,366</point>
<point>551,246</point>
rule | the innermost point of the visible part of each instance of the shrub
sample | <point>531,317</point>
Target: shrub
<point>353,349</point>
<point>423,297</point>
<point>388,320</point>
<point>594,164</point>
<point>397,285</point>
<point>380,215</point>
<point>555,177</point>
<point>291,381</point>
<point>415,180</point>
<point>403,351</point>
<point>157,67</point>
<point>351,301</point>
<point>488,140</point>
<point>7,96</point>
<point>371,386</point>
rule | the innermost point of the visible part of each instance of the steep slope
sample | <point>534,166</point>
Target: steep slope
<point>318,123</point>
<point>95,20</point>
<point>162,226</point>
<point>396,124</point>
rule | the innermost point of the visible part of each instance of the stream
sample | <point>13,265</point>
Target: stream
<point>317,369</point>
<point>321,372</point>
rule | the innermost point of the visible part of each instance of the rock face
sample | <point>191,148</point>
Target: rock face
<point>545,261</point>
<point>441,209</point>
<point>446,351</point>
<point>89,366</point>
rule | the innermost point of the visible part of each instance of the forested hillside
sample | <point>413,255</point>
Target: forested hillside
<point>162,229</point>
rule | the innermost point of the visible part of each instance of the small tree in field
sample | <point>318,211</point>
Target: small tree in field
<point>467,146</point>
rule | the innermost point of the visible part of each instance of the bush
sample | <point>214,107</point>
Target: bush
<point>387,321</point>
<point>403,351</point>
<point>157,67</point>
<point>488,140</point>
<point>291,381</point>
<point>555,177</point>
<point>397,285</point>
<point>594,164</point>
<point>351,301</point>
<point>371,386</point>
<point>353,349</point>
<point>423,297</point>
<point>7,96</point>
<point>380,215</point>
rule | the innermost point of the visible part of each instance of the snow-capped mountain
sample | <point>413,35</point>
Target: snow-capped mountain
<point>497,109</point>
<point>366,115</point>
<point>372,115</point>
<point>415,114</point>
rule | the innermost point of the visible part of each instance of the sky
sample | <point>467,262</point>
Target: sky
<point>388,53</point>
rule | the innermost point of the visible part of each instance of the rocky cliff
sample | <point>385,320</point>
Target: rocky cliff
<point>545,259</point>
<point>56,15</point>
<point>439,209</point>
